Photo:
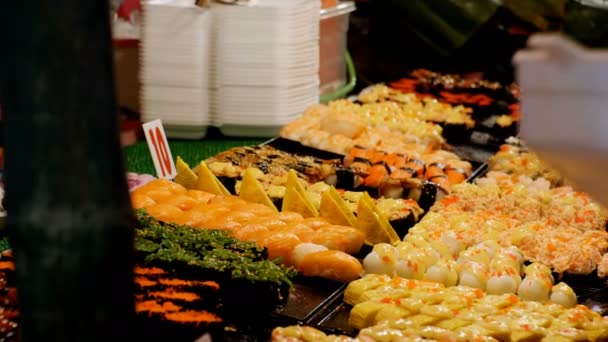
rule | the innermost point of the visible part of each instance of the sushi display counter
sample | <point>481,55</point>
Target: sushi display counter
<point>375,218</point>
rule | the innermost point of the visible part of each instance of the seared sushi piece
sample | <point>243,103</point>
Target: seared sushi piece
<point>272,163</point>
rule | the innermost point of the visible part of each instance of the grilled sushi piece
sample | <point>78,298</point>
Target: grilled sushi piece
<point>272,163</point>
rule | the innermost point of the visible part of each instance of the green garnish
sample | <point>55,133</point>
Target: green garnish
<point>207,249</point>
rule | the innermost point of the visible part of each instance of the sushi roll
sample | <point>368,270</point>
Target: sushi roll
<point>504,280</point>
<point>411,266</point>
<point>564,295</point>
<point>473,274</point>
<point>381,260</point>
<point>443,272</point>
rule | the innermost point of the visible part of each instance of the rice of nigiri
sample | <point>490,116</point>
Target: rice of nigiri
<point>303,249</point>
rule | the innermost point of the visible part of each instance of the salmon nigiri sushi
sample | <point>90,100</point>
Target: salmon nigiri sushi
<point>331,264</point>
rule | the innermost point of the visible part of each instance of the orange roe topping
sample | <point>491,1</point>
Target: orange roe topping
<point>172,294</point>
<point>144,282</point>
<point>148,270</point>
<point>193,317</point>
<point>7,265</point>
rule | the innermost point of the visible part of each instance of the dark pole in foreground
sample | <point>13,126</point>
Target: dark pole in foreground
<point>69,212</point>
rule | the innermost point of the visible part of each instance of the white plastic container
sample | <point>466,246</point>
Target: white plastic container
<point>564,97</point>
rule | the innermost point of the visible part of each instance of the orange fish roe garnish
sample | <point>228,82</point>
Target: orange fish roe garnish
<point>193,317</point>
<point>181,282</point>
<point>7,266</point>
<point>148,270</point>
<point>149,306</point>
<point>144,282</point>
<point>175,282</point>
<point>170,307</point>
<point>172,294</point>
<point>211,284</point>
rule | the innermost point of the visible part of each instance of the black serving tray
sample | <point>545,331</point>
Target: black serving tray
<point>307,297</point>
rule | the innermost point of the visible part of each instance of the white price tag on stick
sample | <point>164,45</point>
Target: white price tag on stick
<point>159,149</point>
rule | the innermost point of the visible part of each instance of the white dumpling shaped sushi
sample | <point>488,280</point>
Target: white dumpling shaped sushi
<point>417,240</point>
<point>411,266</point>
<point>428,255</point>
<point>538,268</point>
<point>564,295</point>
<point>535,288</point>
<point>381,260</point>
<point>405,247</point>
<point>454,242</point>
<point>442,249</point>
<point>514,252</point>
<point>443,272</point>
<point>491,246</point>
<point>503,280</point>
<point>473,274</point>
<point>476,254</point>
<point>505,260</point>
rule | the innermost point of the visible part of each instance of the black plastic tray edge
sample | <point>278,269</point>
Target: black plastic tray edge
<point>327,301</point>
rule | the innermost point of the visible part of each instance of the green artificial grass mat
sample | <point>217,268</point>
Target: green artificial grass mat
<point>138,158</point>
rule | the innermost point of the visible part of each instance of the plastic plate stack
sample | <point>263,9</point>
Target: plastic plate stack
<point>265,64</point>
<point>175,66</point>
